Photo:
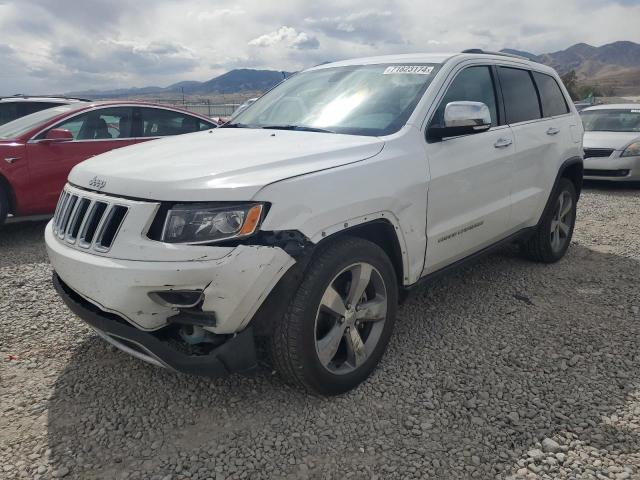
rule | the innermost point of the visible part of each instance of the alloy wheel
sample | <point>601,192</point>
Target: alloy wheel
<point>562,221</point>
<point>350,319</point>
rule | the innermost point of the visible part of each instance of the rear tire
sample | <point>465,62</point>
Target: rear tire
<point>551,239</point>
<point>339,321</point>
<point>4,205</point>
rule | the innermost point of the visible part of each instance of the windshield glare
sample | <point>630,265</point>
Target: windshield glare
<point>614,120</point>
<point>368,100</point>
<point>18,127</point>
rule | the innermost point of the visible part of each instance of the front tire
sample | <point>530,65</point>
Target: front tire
<point>339,321</point>
<point>552,237</point>
<point>4,205</point>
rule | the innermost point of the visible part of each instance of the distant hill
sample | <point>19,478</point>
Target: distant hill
<point>615,65</point>
<point>235,81</point>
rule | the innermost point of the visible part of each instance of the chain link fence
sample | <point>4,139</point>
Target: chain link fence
<point>206,108</point>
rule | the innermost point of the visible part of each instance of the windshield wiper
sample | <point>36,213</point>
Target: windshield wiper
<point>299,128</point>
<point>234,125</point>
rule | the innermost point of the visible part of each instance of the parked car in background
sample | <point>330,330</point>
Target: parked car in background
<point>12,108</point>
<point>299,222</point>
<point>581,105</point>
<point>242,107</point>
<point>38,151</point>
<point>612,142</point>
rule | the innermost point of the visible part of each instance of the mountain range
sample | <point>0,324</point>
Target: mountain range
<point>234,81</point>
<point>615,66</point>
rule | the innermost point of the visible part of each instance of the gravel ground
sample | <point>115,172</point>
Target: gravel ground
<point>505,369</point>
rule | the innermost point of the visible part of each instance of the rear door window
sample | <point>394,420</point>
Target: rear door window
<point>551,97</point>
<point>158,122</point>
<point>520,96</point>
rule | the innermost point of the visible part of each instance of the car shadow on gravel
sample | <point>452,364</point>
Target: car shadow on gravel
<point>611,186</point>
<point>28,237</point>
<point>483,364</point>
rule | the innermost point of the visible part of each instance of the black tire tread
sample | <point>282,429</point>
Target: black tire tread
<point>538,248</point>
<point>4,204</point>
<point>287,332</point>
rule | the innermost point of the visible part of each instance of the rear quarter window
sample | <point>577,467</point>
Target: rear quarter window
<point>8,112</point>
<point>520,96</point>
<point>27,108</point>
<point>551,97</point>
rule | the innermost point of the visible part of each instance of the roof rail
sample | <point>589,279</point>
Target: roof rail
<point>61,97</point>
<point>501,54</point>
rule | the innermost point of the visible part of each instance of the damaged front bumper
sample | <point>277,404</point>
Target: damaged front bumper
<point>234,282</point>
<point>237,354</point>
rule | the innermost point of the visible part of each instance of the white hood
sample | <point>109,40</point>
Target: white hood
<point>615,140</point>
<point>226,164</point>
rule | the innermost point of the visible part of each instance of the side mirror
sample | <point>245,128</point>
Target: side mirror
<point>56,135</point>
<point>462,118</point>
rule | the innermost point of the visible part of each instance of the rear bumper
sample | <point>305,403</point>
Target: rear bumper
<point>612,168</point>
<point>237,354</point>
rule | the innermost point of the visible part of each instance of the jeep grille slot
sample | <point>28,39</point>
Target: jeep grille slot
<point>91,225</point>
<point>76,221</point>
<point>68,209</point>
<point>110,227</point>
<point>88,222</point>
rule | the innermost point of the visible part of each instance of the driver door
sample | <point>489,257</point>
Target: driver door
<point>94,132</point>
<point>469,197</point>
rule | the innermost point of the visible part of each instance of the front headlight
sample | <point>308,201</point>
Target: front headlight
<point>205,223</point>
<point>632,150</point>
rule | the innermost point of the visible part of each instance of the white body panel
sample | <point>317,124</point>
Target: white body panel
<point>469,195</point>
<point>318,184</point>
<point>223,164</point>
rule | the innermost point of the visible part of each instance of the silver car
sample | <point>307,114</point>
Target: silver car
<point>612,142</point>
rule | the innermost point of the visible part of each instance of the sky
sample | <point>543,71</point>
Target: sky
<point>56,46</point>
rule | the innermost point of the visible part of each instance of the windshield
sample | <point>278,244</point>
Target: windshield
<point>614,120</point>
<point>368,100</point>
<point>22,125</point>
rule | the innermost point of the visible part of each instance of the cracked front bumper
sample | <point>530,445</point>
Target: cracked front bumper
<point>237,354</point>
<point>234,281</point>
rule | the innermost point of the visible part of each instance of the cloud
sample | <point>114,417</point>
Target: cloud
<point>214,15</point>
<point>120,56</point>
<point>287,36</point>
<point>61,46</point>
<point>370,26</point>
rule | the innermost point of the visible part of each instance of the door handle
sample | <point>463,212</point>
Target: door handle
<point>553,131</point>
<point>11,160</point>
<point>503,142</point>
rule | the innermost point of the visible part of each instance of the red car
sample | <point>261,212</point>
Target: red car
<point>38,151</point>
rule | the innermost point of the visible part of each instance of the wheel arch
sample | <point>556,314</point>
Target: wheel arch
<point>573,170</point>
<point>570,169</point>
<point>381,232</point>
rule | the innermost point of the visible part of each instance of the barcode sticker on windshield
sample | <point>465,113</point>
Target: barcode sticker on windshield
<point>410,69</point>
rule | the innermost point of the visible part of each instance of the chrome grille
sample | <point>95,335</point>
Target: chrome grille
<point>597,152</point>
<point>88,222</point>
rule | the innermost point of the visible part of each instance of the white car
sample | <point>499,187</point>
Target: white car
<point>301,222</point>
<point>612,142</point>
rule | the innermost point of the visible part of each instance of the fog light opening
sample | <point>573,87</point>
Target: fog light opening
<point>177,298</point>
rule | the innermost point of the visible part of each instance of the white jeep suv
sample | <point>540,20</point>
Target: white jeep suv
<point>298,225</point>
